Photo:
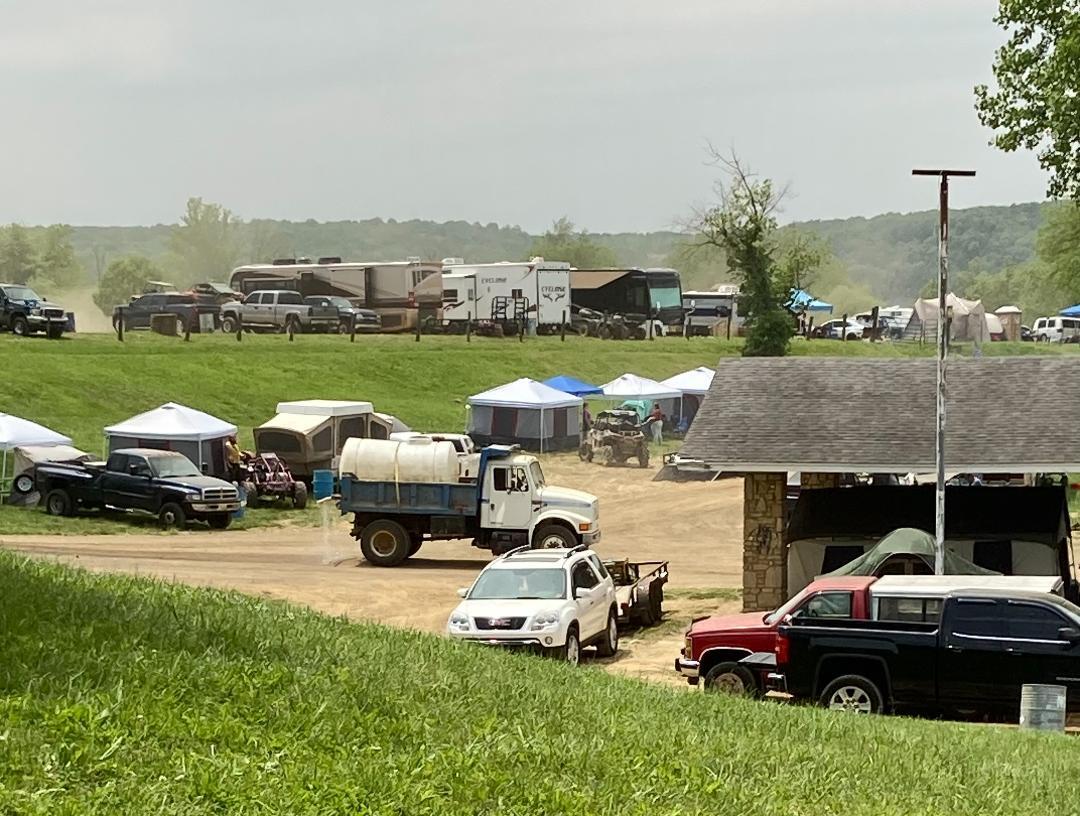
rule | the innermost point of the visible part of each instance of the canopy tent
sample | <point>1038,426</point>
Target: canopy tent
<point>802,301</point>
<point>527,413</point>
<point>1072,311</point>
<point>968,320</point>
<point>907,541</point>
<point>569,385</point>
<point>16,432</point>
<point>694,385</point>
<point>197,435</point>
<point>26,457</point>
<point>630,388</point>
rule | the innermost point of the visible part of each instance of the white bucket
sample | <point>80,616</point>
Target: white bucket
<point>1042,707</point>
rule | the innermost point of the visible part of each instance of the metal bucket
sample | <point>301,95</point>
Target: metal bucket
<point>322,484</point>
<point>1042,707</point>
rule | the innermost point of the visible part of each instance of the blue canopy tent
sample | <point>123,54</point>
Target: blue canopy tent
<point>1072,311</point>
<point>568,385</point>
<point>803,301</point>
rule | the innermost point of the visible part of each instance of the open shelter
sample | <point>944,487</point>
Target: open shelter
<point>631,388</point>
<point>570,385</point>
<point>16,432</point>
<point>526,413</point>
<point>693,385</point>
<point>198,435</point>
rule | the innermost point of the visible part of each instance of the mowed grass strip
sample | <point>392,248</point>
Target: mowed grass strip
<point>123,695</point>
<point>81,384</point>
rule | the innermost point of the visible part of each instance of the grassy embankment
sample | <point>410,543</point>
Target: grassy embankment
<point>81,384</point>
<point>121,695</point>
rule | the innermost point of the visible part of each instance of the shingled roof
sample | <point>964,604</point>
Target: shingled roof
<point>1005,414</point>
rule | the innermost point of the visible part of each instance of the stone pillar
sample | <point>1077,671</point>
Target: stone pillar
<point>764,551</point>
<point>814,481</point>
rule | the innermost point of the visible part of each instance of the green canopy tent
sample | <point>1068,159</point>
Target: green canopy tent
<point>901,544</point>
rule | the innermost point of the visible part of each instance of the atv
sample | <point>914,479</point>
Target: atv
<point>615,437</point>
<point>265,475</point>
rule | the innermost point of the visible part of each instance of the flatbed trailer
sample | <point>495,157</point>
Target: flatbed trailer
<point>639,590</point>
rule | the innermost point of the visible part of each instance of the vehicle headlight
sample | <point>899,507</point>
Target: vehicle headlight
<point>459,622</point>
<point>687,646</point>
<point>36,310</point>
<point>544,620</point>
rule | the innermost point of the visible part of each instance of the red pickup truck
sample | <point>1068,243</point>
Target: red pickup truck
<point>714,645</point>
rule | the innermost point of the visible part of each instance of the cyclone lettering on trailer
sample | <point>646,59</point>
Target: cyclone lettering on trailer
<point>553,293</point>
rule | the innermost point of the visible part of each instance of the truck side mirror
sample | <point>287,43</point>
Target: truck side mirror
<point>133,469</point>
<point>1069,634</point>
<point>463,592</point>
<point>580,592</point>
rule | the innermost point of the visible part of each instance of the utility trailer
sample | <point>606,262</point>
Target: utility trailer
<point>639,590</point>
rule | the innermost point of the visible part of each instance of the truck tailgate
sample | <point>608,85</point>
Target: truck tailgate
<point>402,497</point>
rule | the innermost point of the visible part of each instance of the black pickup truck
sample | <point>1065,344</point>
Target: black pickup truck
<point>985,646</point>
<point>24,312</point>
<point>163,483</point>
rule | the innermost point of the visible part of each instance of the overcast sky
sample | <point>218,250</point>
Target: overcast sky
<point>490,110</point>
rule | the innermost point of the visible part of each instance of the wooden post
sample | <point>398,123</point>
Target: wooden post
<point>521,330</point>
<point>120,325</point>
<point>874,320</point>
<point>352,327</point>
<point>562,327</point>
<point>187,328</point>
<point>843,328</point>
<point>468,327</point>
<point>417,325</point>
<point>290,329</point>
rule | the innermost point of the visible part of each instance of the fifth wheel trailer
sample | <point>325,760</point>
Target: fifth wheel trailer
<point>401,292</point>
<point>507,292</point>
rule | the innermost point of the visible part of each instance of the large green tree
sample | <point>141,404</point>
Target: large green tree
<point>206,242</point>
<point>564,242</point>
<point>124,277</point>
<point>58,269</point>
<point>1036,104</point>
<point>743,225</point>
<point>18,256</point>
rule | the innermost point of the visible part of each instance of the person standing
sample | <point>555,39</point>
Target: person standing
<point>586,418</point>
<point>232,458</point>
<point>656,424</point>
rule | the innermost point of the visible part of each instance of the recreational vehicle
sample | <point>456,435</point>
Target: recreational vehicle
<point>646,292</point>
<point>401,292</point>
<point>507,293</point>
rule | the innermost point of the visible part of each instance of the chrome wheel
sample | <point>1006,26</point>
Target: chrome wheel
<point>612,635</point>
<point>730,683</point>
<point>851,698</point>
<point>573,649</point>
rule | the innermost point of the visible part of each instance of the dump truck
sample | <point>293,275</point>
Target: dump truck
<point>404,493</point>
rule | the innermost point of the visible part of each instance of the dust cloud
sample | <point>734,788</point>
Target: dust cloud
<point>88,317</point>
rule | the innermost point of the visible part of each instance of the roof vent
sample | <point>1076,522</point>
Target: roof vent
<point>303,260</point>
<point>330,259</point>
<point>284,261</point>
<point>413,259</point>
<point>453,261</point>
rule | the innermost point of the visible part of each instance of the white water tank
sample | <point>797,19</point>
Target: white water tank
<point>386,460</point>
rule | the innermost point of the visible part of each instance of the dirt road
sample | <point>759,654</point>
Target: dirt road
<point>695,526</point>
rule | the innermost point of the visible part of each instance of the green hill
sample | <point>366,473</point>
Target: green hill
<point>124,695</point>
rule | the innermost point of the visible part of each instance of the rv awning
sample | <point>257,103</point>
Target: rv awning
<point>595,278</point>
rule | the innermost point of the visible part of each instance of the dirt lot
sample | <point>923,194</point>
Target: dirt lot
<point>695,526</point>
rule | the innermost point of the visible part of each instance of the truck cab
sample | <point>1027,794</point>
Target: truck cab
<point>515,498</point>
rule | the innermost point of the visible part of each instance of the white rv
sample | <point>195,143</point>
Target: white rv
<point>506,292</point>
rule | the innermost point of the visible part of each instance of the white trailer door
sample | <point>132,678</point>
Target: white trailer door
<point>553,296</point>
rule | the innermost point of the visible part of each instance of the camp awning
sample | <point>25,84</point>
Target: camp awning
<point>16,431</point>
<point>525,393</point>
<point>173,422</point>
<point>907,541</point>
<point>695,381</point>
<point>803,301</point>
<point>568,385</point>
<point>595,278</point>
<point>631,387</point>
<point>1072,311</point>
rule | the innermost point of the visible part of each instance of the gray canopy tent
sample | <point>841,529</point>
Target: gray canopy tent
<point>526,413</point>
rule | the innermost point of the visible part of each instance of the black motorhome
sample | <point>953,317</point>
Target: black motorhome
<point>656,292</point>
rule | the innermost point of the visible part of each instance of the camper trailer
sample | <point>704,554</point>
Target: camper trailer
<point>507,293</point>
<point>401,292</point>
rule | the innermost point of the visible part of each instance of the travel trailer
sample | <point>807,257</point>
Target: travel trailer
<point>507,293</point>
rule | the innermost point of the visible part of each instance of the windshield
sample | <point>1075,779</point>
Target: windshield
<point>666,296</point>
<point>167,467</point>
<point>537,583</point>
<point>537,475</point>
<point>21,293</point>
<point>772,617</point>
<point>340,302</point>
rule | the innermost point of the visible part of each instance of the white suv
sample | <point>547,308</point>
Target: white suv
<point>1055,329</point>
<point>555,600</point>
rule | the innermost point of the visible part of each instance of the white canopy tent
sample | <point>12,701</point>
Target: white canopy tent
<point>694,385</point>
<point>528,413</point>
<point>631,387</point>
<point>175,427</point>
<point>16,432</point>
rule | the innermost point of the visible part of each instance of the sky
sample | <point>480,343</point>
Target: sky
<point>504,111</point>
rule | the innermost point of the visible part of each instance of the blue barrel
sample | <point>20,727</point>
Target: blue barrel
<point>70,325</point>
<point>323,484</point>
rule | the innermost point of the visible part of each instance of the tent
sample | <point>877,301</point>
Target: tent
<point>199,436</point>
<point>16,432</point>
<point>907,541</point>
<point>568,385</point>
<point>527,413</point>
<point>694,385</point>
<point>1072,311</point>
<point>634,389</point>
<point>968,320</point>
<point>802,301</point>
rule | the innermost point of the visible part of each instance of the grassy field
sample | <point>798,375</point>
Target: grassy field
<point>120,695</point>
<point>80,385</point>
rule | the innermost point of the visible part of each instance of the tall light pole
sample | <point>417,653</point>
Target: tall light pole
<point>942,354</point>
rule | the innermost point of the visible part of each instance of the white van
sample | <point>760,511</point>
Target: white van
<point>1055,329</point>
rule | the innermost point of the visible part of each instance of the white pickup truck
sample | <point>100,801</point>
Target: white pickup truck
<point>277,310</point>
<point>555,600</point>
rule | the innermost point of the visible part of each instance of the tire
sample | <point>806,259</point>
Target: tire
<point>731,678</point>
<point>643,458</point>
<point>656,603</point>
<point>23,484</point>
<point>609,643</point>
<point>384,543</point>
<point>20,326</point>
<point>343,327</point>
<point>294,322</point>
<point>229,324</point>
<point>584,453</point>
<point>219,521</point>
<point>58,503</point>
<point>551,536</point>
<point>181,327</point>
<point>416,541</point>
<point>251,494</point>
<point>300,495</point>
<point>571,650</point>
<point>172,515</point>
<point>853,693</point>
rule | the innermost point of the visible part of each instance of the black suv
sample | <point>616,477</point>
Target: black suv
<point>24,312</point>
<point>367,320</point>
<point>185,306</point>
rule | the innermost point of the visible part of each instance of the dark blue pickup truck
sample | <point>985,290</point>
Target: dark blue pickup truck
<point>164,483</point>
<point>975,658</point>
